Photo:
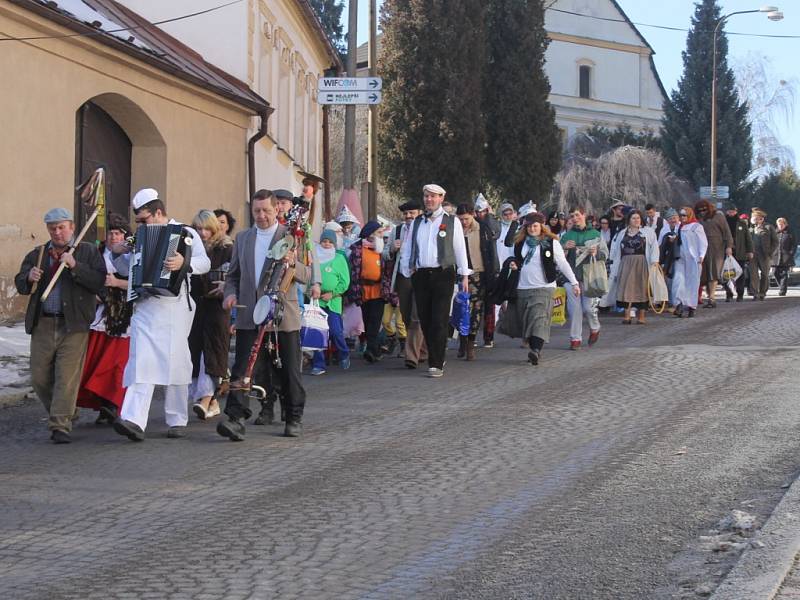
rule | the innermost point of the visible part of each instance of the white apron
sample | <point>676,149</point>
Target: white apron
<point>159,331</point>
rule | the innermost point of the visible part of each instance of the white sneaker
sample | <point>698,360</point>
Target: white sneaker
<point>213,411</point>
<point>434,372</point>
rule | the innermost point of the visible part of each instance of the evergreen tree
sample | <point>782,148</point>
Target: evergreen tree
<point>524,143</point>
<point>329,13</point>
<point>431,129</point>
<point>686,128</point>
<point>779,195</point>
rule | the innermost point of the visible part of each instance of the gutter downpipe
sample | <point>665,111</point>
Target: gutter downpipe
<point>251,154</point>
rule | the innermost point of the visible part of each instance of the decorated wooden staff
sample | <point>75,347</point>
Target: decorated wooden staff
<point>93,196</point>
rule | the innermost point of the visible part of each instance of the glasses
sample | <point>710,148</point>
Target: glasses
<point>682,215</point>
<point>701,210</point>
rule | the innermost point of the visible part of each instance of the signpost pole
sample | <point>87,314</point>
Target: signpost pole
<point>373,113</point>
<point>350,110</point>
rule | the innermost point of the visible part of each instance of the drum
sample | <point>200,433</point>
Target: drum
<point>268,309</point>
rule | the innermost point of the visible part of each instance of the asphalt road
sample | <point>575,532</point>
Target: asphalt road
<point>590,476</point>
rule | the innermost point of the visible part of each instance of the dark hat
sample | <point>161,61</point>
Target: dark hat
<point>56,215</point>
<point>285,194</point>
<point>310,179</point>
<point>730,205</point>
<point>369,228</point>
<point>534,217</point>
<point>118,222</point>
<point>410,205</point>
<point>330,235</point>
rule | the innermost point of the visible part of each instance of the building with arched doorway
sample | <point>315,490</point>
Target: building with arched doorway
<point>88,84</point>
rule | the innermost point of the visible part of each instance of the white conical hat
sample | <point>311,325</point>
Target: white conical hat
<point>345,216</point>
<point>481,203</point>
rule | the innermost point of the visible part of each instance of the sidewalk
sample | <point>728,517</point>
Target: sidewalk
<point>14,363</point>
<point>770,571</point>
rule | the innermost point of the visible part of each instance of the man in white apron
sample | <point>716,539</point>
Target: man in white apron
<point>159,352</point>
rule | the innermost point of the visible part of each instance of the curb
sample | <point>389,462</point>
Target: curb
<point>759,573</point>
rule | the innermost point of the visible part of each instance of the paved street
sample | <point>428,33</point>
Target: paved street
<point>591,476</point>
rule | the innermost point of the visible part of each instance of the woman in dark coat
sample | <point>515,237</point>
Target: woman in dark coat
<point>209,339</point>
<point>720,244</point>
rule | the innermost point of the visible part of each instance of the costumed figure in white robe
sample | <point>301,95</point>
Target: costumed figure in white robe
<point>689,251</point>
<point>159,350</point>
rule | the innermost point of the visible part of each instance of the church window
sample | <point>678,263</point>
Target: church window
<point>584,81</point>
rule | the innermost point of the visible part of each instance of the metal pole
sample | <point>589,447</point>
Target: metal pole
<point>714,114</point>
<point>349,174</point>
<point>326,162</point>
<point>373,113</point>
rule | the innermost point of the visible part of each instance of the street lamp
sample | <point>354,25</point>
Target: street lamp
<point>773,14</point>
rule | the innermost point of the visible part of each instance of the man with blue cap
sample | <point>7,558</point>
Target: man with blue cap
<point>59,325</point>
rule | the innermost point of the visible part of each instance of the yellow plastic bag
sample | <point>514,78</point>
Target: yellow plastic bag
<point>559,316</point>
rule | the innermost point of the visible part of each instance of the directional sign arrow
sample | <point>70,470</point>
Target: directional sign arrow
<point>373,98</point>
<point>374,84</point>
<point>349,97</point>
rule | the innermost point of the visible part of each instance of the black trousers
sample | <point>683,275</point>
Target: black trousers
<point>433,291</point>
<point>286,380</point>
<point>372,313</point>
<point>782,276</point>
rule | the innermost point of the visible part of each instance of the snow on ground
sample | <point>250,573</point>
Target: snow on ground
<point>14,359</point>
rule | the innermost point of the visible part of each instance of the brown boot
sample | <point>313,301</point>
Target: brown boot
<point>640,316</point>
<point>626,320</point>
<point>471,347</point>
<point>462,346</point>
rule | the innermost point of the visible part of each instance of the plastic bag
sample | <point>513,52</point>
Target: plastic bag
<point>658,287</point>
<point>731,269</point>
<point>595,278</point>
<point>559,315</point>
<point>314,327</point>
<point>352,321</point>
<point>459,318</point>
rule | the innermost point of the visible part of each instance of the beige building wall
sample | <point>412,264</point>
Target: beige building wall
<point>271,46</point>
<point>188,143</point>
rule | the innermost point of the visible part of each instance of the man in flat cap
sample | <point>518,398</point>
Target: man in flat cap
<point>765,242</point>
<point>412,347</point>
<point>437,253</point>
<point>59,325</point>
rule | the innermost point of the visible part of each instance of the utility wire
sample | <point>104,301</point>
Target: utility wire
<point>668,28</point>
<point>111,31</point>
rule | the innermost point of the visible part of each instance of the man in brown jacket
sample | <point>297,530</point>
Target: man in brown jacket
<point>247,281</point>
<point>59,326</point>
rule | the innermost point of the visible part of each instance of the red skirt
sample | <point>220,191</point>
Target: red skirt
<point>103,368</point>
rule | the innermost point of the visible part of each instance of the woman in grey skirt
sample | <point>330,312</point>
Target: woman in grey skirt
<point>537,253</point>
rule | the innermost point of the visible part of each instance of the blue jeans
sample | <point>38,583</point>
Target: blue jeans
<point>336,334</point>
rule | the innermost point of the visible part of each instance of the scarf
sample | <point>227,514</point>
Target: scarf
<point>531,242</point>
<point>325,255</point>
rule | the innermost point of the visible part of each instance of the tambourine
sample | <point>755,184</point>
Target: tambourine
<point>268,309</point>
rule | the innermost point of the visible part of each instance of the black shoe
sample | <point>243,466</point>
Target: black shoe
<point>410,364</point>
<point>294,428</point>
<point>739,298</point>
<point>690,312</point>
<point>369,357</point>
<point>678,311</point>
<point>130,430</point>
<point>60,436</point>
<point>233,429</point>
<point>267,414</point>
<point>533,357</point>
<point>108,411</point>
<point>728,298</point>
<point>176,432</point>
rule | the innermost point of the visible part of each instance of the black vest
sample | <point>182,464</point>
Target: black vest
<point>546,254</point>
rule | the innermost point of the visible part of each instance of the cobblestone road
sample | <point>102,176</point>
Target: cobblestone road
<point>582,478</point>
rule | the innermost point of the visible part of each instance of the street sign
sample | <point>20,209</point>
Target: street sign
<point>349,84</point>
<point>722,192</point>
<point>349,97</point>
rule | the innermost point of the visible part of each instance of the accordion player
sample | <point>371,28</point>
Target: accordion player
<point>154,244</point>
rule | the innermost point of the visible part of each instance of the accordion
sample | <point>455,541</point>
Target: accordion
<point>155,244</point>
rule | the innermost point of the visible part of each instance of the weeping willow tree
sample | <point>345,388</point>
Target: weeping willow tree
<point>632,174</point>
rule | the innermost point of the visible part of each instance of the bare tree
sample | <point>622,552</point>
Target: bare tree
<point>592,176</point>
<point>770,105</point>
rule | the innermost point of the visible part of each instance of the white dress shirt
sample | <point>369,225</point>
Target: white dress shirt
<point>532,274</point>
<point>263,241</point>
<point>405,249</point>
<point>427,243</point>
